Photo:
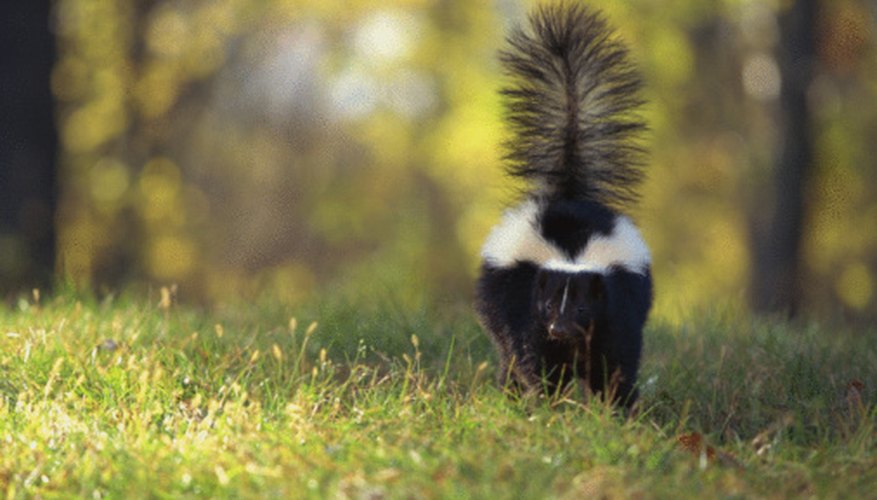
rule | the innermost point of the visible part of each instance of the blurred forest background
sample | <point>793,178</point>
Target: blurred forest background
<point>297,148</point>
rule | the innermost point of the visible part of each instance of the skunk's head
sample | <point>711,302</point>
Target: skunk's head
<point>569,305</point>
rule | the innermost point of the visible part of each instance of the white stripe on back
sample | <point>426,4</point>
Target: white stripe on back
<point>517,239</point>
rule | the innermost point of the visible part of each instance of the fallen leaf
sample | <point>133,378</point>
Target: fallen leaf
<point>696,444</point>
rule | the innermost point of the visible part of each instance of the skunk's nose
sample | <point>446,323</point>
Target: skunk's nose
<point>557,331</point>
<point>552,330</point>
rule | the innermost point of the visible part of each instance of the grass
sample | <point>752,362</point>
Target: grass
<point>128,398</point>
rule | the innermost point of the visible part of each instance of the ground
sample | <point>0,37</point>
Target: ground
<point>143,397</point>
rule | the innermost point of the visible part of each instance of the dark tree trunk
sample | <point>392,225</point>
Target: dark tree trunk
<point>777,268</point>
<point>28,146</point>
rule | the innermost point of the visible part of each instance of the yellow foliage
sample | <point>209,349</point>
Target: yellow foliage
<point>171,257</point>
<point>159,187</point>
<point>169,32</point>
<point>855,286</point>
<point>156,91</point>
<point>91,126</point>
<point>109,183</point>
<point>242,146</point>
<point>673,60</point>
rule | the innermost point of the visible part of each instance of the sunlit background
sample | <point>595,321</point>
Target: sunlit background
<point>298,148</point>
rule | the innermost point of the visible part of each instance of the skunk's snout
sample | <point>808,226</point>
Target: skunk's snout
<point>560,331</point>
<point>552,331</point>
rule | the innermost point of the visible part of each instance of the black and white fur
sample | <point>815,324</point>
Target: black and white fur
<point>565,285</point>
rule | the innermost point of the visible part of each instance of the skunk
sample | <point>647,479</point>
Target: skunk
<point>565,284</point>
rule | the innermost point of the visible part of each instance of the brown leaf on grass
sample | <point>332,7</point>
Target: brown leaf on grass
<point>696,444</point>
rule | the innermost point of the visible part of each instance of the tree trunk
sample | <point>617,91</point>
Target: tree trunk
<point>28,147</point>
<point>777,267</point>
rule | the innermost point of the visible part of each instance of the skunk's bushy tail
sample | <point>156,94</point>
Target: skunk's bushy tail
<point>571,105</point>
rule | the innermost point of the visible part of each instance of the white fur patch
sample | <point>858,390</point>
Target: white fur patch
<point>516,239</point>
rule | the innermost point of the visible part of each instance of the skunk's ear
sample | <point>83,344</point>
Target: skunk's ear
<point>597,289</point>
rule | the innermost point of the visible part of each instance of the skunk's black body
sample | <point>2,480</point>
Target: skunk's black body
<point>565,285</point>
<point>509,308</point>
